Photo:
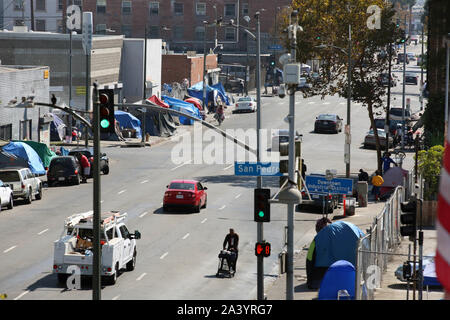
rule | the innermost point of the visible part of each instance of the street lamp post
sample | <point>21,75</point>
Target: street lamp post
<point>205,23</point>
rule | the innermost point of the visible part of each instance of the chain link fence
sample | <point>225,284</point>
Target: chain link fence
<point>382,237</point>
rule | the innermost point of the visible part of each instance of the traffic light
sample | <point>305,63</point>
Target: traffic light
<point>106,97</point>
<point>317,37</point>
<point>397,24</point>
<point>262,249</point>
<point>272,60</point>
<point>408,218</point>
<point>262,205</point>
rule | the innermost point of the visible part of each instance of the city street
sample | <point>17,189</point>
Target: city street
<point>177,257</point>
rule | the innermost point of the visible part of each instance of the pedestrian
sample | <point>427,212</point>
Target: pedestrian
<point>387,160</point>
<point>322,223</point>
<point>303,169</point>
<point>377,181</point>
<point>85,167</point>
<point>363,176</point>
<point>232,242</point>
<point>74,134</point>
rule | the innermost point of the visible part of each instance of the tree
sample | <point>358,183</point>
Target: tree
<point>429,166</point>
<point>327,22</point>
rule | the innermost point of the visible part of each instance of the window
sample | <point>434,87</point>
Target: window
<point>153,32</point>
<point>40,5</point>
<point>245,9</point>
<point>229,34</point>
<point>201,9</point>
<point>126,30</point>
<point>154,8</point>
<point>178,32</point>
<point>19,22</point>
<point>200,33</point>
<point>25,130</point>
<point>6,132</point>
<point>18,4</point>
<point>124,232</point>
<point>40,25</point>
<point>126,7</point>
<point>60,5</point>
<point>230,10</point>
<point>178,9</point>
<point>101,6</point>
<point>100,29</point>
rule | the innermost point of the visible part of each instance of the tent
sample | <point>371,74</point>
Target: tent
<point>336,241</point>
<point>24,151</point>
<point>196,102</point>
<point>127,120</point>
<point>158,101</point>
<point>392,178</point>
<point>340,276</point>
<point>57,128</point>
<point>42,150</point>
<point>212,92</point>
<point>429,275</point>
<point>185,107</point>
<point>8,160</point>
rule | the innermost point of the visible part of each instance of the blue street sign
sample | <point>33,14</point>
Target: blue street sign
<point>319,184</point>
<point>275,47</point>
<point>257,169</point>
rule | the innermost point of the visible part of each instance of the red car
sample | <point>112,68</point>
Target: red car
<point>185,194</point>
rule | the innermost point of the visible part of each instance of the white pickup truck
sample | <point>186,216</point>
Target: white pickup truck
<point>74,248</point>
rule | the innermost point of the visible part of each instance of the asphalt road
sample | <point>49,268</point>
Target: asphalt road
<point>177,255</point>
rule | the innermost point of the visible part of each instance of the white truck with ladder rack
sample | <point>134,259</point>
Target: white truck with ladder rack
<point>74,248</point>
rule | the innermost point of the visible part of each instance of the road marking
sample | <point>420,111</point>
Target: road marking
<point>143,215</point>
<point>232,165</point>
<point>21,295</point>
<point>222,207</point>
<point>185,163</point>
<point>326,103</point>
<point>116,297</point>
<point>185,236</point>
<point>141,276</point>
<point>145,181</point>
<point>311,102</point>
<point>8,250</point>
<point>342,103</point>
<point>42,232</point>
<point>238,196</point>
<point>121,191</point>
<point>164,255</point>
<point>204,220</point>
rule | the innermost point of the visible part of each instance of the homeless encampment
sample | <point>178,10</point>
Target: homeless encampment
<point>8,160</point>
<point>127,121</point>
<point>213,92</point>
<point>339,276</point>
<point>42,150</point>
<point>392,178</point>
<point>27,153</point>
<point>57,128</point>
<point>336,241</point>
<point>185,107</point>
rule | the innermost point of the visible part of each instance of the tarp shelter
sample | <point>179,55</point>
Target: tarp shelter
<point>392,178</point>
<point>185,107</point>
<point>57,128</point>
<point>212,92</point>
<point>42,150</point>
<point>157,123</point>
<point>429,275</point>
<point>336,241</point>
<point>128,121</point>
<point>196,102</point>
<point>340,276</point>
<point>24,151</point>
<point>8,160</point>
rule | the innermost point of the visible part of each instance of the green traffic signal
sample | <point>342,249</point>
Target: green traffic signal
<point>104,123</point>
<point>261,214</point>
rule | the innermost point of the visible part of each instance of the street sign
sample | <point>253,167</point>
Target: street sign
<point>73,17</point>
<point>275,47</point>
<point>87,32</point>
<point>257,169</point>
<point>320,184</point>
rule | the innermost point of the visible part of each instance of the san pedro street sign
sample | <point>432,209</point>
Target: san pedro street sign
<point>257,169</point>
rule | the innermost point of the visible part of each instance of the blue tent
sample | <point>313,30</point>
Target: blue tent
<point>24,151</point>
<point>196,91</point>
<point>340,276</point>
<point>183,106</point>
<point>127,120</point>
<point>337,241</point>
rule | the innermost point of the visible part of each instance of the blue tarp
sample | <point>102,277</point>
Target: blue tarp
<point>57,128</point>
<point>337,241</point>
<point>212,92</point>
<point>183,106</point>
<point>429,275</point>
<point>24,151</point>
<point>127,120</point>
<point>340,276</point>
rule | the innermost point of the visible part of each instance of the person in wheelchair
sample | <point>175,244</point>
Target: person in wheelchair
<point>231,241</point>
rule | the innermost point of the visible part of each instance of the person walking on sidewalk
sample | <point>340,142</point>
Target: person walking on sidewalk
<point>377,181</point>
<point>231,242</point>
<point>387,160</point>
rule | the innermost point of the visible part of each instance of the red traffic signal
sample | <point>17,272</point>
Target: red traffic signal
<point>262,249</point>
<point>103,97</point>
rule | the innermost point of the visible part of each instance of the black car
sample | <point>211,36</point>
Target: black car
<point>328,123</point>
<point>64,169</point>
<point>401,57</point>
<point>383,79</point>
<point>411,78</point>
<point>326,203</point>
<point>380,123</point>
<point>89,153</point>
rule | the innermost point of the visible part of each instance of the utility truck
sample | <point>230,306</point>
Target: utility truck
<point>75,246</point>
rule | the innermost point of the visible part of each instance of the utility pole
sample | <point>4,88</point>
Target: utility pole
<point>403,94</point>
<point>421,71</point>
<point>32,14</point>
<point>349,97</point>
<point>205,23</point>
<point>388,122</point>
<point>144,93</point>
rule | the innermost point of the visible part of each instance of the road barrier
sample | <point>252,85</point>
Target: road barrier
<point>373,250</point>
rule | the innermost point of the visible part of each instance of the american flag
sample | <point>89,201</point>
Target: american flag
<point>443,222</point>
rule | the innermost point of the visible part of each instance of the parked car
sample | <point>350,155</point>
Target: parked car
<point>328,122</point>
<point>369,140</point>
<point>411,56</point>
<point>245,104</point>
<point>396,114</point>
<point>326,202</point>
<point>89,153</point>
<point>65,169</point>
<point>411,78</point>
<point>23,183</point>
<point>383,79</point>
<point>380,122</point>
<point>303,84</point>
<point>185,194</point>
<point>6,196</point>
<point>282,136</point>
<point>401,57</point>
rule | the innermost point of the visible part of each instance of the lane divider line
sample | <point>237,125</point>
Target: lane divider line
<point>145,181</point>
<point>230,166</point>
<point>186,235</point>
<point>222,207</point>
<point>238,196</point>
<point>164,255</point>
<point>121,191</point>
<point>8,250</point>
<point>141,276</point>
<point>143,215</point>
<point>43,231</point>
<point>21,295</point>
<point>204,220</point>
<point>179,166</point>
<point>116,297</point>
